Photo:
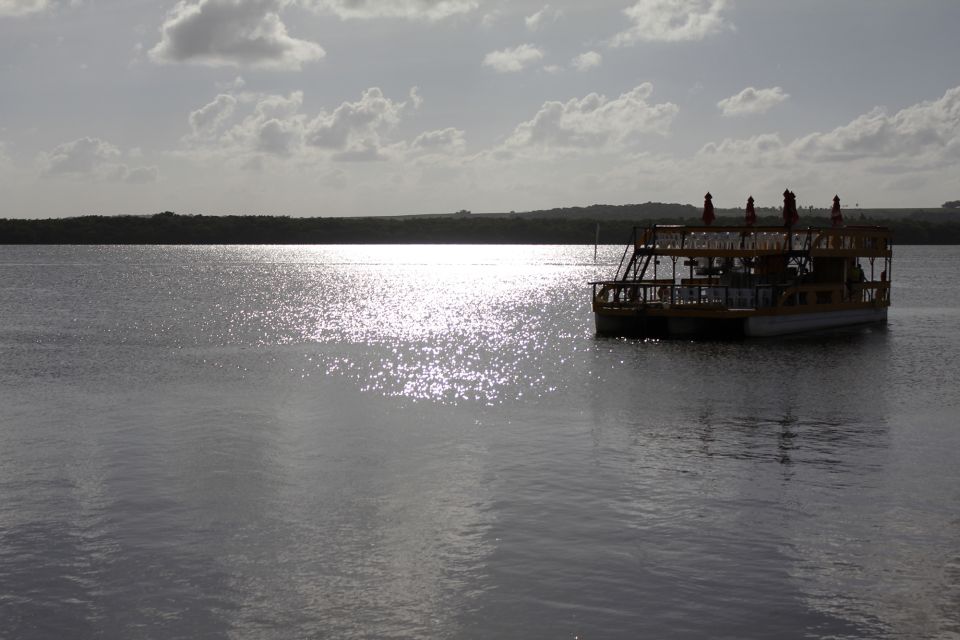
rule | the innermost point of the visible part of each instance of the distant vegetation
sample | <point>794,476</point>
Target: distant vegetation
<point>574,225</point>
<point>951,204</point>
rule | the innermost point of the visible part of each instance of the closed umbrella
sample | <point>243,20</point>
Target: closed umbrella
<point>836,218</point>
<point>790,215</point>
<point>708,216</point>
<point>751,217</point>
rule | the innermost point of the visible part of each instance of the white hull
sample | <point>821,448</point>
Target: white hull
<point>762,326</point>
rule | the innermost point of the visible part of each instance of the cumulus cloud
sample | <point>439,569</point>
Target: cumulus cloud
<point>752,101</point>
<point>672,21</point>
<point>766,149</point>
<point>536,20</point>
<point>928,131</point>
<point>18,8</point>
<point>208,118</point>
<point>21,7</point>
<point>238,33</point>
<point>93,158</point>
<point>595,121</point>
<point>251,127</point>
<point>138,175</point>
<point>354,128</point>
<point>587,60</point>
<point>274,127</point>
<point>408,9</point>
<point>924,135</point>
<point>445,141</point>
<point>513,60</point>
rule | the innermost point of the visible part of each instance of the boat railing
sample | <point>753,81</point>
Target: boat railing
<point>627,294</point>
<point>701,294</point>
<point>676,238</point>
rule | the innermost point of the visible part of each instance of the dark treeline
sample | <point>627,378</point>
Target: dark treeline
<point>169,228</point>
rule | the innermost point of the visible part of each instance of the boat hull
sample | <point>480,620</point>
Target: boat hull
<point>779,325</point>
<point>683,326</point>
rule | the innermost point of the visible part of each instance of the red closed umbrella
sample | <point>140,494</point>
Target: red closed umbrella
<point>836,218</point>
<point>708,216</point>
<point>751,217</point>
<point>790,215</point>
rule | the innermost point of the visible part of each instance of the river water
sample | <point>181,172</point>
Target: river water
<point>431,442</point>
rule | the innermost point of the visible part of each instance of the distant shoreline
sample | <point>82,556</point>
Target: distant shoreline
<point>556,226</point>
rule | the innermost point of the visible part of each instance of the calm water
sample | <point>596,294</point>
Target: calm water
<point>430,442</point>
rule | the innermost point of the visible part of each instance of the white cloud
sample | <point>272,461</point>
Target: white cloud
<point>752,101</point>
<point>139,175</point>
<point>921,136</point>
<point>536,20</point>
<point>232,33</point>
<point>21,7</point>
<point>18,8</point>
<point>354,129</point>
<point>587,60</point>
<point>276,126</point>
<point>513,60</point>
<point>408,9</point>
<point>92,158</point>
<point>595,121</point>
<point>446,141</point>
<point>491,18</point>
<point>672,21</point>
<point>81,156</point>
<point>927,132</point>
<point>766,149</point>
<point>208,118</point>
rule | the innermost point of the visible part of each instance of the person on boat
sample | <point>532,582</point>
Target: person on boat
<point>855,279</point>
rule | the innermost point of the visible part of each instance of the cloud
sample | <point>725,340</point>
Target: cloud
<point>93,158</point>
<point>762,150</point>
<point>752,101</point>
<point>247,128</point>
<point>587,60</point>
<point>491,18</point>
<point>595,121</point>
<point>208,118</point>
<point>275,126</point>
<point>921,136</point>
<point>513,60</point>
<point>444,141</point>
<point>354,128</point>
<point>672,21</point>
<point>18,8</point>
<point>139,175</point>
<point>928,132</point>
<point>536,20</point>
<point>409,9</point>
<point>81,156</point>
<point>241,33</point>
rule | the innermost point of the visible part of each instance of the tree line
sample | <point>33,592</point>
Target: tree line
<point>170,228</point>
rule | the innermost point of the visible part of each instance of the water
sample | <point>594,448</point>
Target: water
<point>430,442</point>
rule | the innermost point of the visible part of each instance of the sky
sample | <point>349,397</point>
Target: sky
<point>389,107</point>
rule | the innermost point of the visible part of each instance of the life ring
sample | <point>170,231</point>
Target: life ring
<point>663,293</point>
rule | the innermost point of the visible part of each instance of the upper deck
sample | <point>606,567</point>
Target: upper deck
<point>753,242</point>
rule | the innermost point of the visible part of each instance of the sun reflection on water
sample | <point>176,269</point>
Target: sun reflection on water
<point>444,323</point>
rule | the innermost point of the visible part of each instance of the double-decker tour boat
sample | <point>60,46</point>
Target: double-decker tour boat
<point>679,281</point>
